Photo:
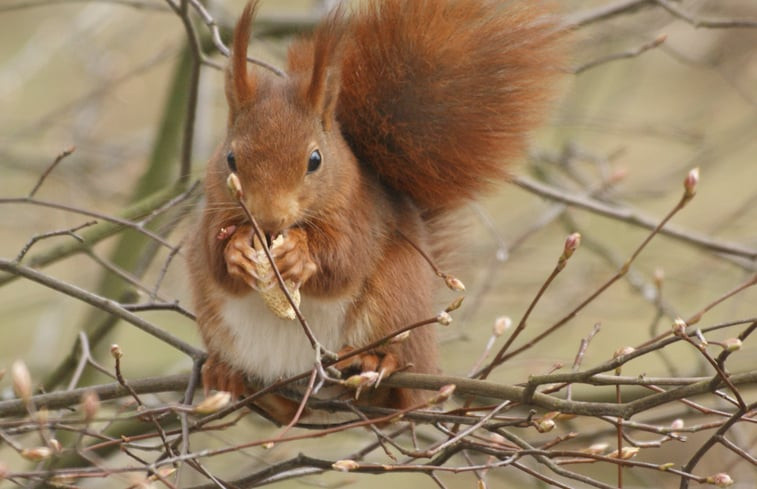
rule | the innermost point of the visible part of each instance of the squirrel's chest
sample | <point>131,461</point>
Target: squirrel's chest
<point>270,348</point>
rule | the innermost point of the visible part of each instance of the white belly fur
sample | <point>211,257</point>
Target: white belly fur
<point>269,348</point>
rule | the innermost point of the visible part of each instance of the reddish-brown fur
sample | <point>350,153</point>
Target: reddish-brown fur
<point>416,106</point>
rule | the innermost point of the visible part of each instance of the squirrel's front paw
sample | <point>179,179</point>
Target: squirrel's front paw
<point>293,258</point>
<point>241,257</point>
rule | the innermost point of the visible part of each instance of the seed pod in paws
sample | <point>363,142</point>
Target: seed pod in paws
<point>272,294</point>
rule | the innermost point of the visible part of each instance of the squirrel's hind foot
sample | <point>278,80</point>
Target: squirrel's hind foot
<point>218,375</point>
<point>383,364</point>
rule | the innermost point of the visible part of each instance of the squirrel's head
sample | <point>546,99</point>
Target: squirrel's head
<point>283,140</point>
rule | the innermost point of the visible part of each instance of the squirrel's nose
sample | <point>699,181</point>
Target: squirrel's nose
<point>272,227</point>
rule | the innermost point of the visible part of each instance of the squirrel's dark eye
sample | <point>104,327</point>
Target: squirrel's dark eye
<point>315,161</point>
<point>231,161</point>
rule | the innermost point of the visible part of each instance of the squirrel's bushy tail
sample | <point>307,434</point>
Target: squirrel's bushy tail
<point>438,95</point>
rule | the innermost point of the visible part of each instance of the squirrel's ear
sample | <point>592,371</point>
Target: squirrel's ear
<point>325,103</point>
<point>322,92</point>
<point>240,86</point>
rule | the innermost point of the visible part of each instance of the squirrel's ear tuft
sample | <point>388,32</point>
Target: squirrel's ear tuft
<point>322,91</point>
<point>240,86</point>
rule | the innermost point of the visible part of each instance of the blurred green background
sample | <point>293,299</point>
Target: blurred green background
<point>97,75</point>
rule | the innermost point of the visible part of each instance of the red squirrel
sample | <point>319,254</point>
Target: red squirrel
<point>387,120</point>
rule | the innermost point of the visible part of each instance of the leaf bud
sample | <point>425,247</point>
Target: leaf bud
<point>690,183</point>
<point>454,283</point>
<point>55,445</point>
<point>455,305</point>
<point>502,324</point>
<point>625,453</point>
<point>213,403</point>
<point>444,393</point>
<point>572,243</point>
<point>545,425</point>
<point>345,465</point>
<point>626,350</point>
<point>732,344</point>
<point>720,479</point>
<point>444,318</point>
<point>400,337</point>
<point>679,327</point>
<point>596,448</point>
<point>234,186</point>
<point>36,454</point>
<point>90,404</point>
<point>22,380</point>
<point>361,380</point>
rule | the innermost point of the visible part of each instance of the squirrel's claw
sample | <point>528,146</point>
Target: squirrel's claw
<point>388,366</point>
<point>382,364</point>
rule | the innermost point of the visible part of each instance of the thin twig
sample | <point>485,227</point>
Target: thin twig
<point>632,217</point>
<point>708,23</point>
<point>50,168</point>
<point>632,53</point>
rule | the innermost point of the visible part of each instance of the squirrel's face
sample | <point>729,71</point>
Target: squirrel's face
<point>287,159</point>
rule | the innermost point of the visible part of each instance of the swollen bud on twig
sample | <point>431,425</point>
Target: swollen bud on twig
<point>658,277</point>
<point>211,404</point>
<point>545,425</point>
<point>621,352</point>
<point>444,318</point>
<point>596,448</point>
<point>571,244</point>
<point>626,350</point>
<point>617,175</point>
<point>234,186</point>
<point>55,445</point>
<point>90,404</point>
<point>359,381</point>
<point>345,465</point>
<point>625,453</point>
<point>547,422</point>
<point>501,325</point>
<point>721,480</point>
<point>400,337</point>
<point>731,344</point>
<point>454,283</point>
<point>115,351</point>
<point>679,327</point>
<point>690,184</point>
<point>455,305</point>
<point>36,454</point>
<point>444,393</point>
<point>22,381</point>
<point>42,416</point>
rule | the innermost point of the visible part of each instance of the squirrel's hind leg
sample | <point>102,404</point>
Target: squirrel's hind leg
<point>397,295</point>
<point>218,375</point>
